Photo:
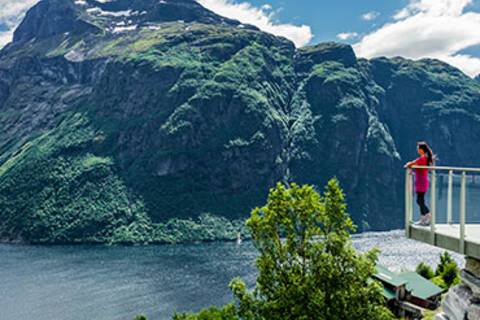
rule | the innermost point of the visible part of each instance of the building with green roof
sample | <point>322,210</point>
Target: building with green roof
<point>407,293</point>
<point>422,291</point>
<point>385,275</point>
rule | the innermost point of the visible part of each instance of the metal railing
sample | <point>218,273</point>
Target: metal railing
<point>450,173</point>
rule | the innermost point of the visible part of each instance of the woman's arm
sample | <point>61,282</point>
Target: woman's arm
<point>411,163</point>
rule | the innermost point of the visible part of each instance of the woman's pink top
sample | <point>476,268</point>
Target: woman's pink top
<point>421,175</point>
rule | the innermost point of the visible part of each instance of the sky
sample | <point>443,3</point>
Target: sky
<point>443,29</point>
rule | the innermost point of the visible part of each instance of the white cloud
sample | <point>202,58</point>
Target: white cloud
<point>267,6</point>
<point>260,17</point>
<point>468,64</point>
<point>347,35</point>
<point>369,16</point>
<point>5,37</point>
<point>433,8</point>
<point>10,15</point>
<point>428,29</point>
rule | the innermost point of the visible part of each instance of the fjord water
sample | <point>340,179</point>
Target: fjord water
<point>117,282</point>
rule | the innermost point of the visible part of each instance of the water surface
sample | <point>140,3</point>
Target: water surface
<point>110,283</point>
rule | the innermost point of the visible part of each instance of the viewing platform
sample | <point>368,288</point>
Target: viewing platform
<point>454,202</point>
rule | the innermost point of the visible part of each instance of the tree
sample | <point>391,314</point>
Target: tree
<point>425,271</point>
<point>438,281</point>
<point>227,312</point>
<point>450,274</point>
<point>308,268</point>
<point>445,259</point>
<point>446,274</point>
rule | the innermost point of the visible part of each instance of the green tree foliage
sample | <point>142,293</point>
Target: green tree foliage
<point>450,274</point>
<point>425,271</point>
<point>228,312</point>
<point>141,317</point>
<point>445,259</point>
<point>446,274</point>
<point>438,281</point>
<point>307,266</point>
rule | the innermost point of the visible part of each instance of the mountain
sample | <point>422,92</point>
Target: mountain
<point>117,116</point>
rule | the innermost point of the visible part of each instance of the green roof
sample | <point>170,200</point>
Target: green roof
<point>419,286</point>
<point>387,276</point>
<point>388,294</point>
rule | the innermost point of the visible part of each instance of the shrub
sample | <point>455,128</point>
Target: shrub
<point>450,274</point>
<point>225,313</point>
<point>438,281</point>
<point>445,259</point>
<point>425,271</point>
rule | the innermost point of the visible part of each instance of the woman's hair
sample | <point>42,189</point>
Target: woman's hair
<point>428,152</point>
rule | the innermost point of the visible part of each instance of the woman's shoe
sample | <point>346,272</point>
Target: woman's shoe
<point>420,222</point>
<point>428,219</point>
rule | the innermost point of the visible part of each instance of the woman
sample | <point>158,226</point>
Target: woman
<point>421,180</point>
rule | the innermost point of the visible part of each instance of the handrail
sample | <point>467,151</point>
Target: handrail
<point>462,213</point>
<point>447,168</point>
<point>408,201</point>
<point>450,197</point>
<point>462,201</point>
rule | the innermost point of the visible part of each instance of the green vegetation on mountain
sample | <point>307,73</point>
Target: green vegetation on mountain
<point>121,118</point>
<point>307,266</point>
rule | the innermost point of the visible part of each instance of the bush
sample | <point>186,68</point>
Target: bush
<point>225,313</point>
<point>438,281</point>
<point>450,274</point>
<point>446,274</point>
<point>445,259</point>
<point>425,271</point>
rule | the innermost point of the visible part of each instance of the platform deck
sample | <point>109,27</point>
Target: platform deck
<point>447,236</point>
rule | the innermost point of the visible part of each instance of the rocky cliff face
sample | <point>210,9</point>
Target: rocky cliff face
<point>462,302</point>
<point>126,111</point>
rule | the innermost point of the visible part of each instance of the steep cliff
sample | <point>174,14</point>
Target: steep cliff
<point>130,112</point>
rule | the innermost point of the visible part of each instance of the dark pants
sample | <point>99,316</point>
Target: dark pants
<point>421,203</point>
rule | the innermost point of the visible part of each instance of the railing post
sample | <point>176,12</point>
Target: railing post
<point>462,212</point>
<point>433,207</point>
<point>408,194</point>
<point>450,196</point>
<point>410,202</point>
